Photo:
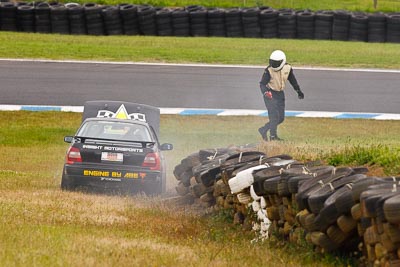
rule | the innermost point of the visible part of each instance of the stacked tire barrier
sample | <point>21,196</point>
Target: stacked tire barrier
<point>333,209</point>
<point>323,25</point>
<point>287,24</point>
<point>340,25</point>
<point>268,19</point>
<point>76,18</point>
<point>194,20</point>
<point>198,21</point>
<point>233,22</point>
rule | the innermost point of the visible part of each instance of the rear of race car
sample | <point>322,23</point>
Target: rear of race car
<point>114,167</point>
<point>116,150</point>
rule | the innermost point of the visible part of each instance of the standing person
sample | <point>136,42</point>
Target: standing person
<point>272,85</point>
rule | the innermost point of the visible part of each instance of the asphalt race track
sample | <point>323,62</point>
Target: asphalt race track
<point>174,86</point>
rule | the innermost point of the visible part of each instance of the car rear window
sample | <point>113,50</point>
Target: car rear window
<point>115,130</point>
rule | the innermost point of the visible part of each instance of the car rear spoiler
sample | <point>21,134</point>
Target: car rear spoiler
<point>143,144</point>
<point>124,110</point>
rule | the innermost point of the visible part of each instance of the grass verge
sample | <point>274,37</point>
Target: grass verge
<point>43,226</point>
<point>241,51</point>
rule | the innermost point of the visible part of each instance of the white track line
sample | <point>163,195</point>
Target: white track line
<point>221,112</point>
<point>194,65</point>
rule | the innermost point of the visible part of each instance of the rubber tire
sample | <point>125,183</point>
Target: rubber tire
<point>67,184</point>
<point>391,208</point>
<point>346,223</point>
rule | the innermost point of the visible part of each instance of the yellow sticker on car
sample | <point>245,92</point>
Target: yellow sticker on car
<point>133,175</point>
<point>114,174</point>
<point>96,173</point>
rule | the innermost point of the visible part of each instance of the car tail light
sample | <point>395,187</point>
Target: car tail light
<point>152,161</point>
<point>73,155</point>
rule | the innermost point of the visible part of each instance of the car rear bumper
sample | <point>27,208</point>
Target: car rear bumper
<point>103,179</point>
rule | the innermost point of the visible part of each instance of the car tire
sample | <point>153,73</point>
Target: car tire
<point>346,223</point>
<point>181,189</point>
<point>66,183</point>
<point>163,185</point>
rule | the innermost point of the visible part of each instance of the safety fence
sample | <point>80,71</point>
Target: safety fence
<point>257,22</point>
<point>333,209</point>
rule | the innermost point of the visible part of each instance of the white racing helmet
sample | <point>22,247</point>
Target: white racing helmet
<point>277,60</point>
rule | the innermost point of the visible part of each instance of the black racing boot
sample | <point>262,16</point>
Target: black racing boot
<point>275,138</point>
<point>263,133</point>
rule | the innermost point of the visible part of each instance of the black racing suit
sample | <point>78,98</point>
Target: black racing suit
<point>276,104</point>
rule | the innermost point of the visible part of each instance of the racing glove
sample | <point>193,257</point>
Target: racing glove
<point>268,94</point>
<point>300,94</point>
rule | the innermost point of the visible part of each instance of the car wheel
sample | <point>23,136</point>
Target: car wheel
<point>66,183</point>
<point>163,185</point>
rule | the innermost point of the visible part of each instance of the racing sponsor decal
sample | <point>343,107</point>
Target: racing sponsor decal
<point>113,148</point>
<point>121,114</point>
<point>122,149</point>
<point>110,179</point>
<point>92,147</point>
<point>96,173</point>
<point>114,174</point>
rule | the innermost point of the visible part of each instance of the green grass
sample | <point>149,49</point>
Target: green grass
<point>354,5</point>
<point>44,226</point>
<point>384,156</point>
<point>35,139</point>
<point>338,142</point>
<point>241,51</point>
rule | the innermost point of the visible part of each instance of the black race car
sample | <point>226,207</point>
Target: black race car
<point>116,150</point>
